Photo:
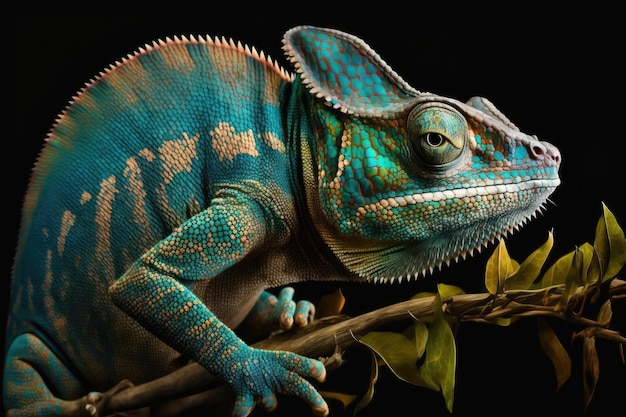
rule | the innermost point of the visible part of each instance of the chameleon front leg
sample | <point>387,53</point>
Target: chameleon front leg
<point>151,291</point>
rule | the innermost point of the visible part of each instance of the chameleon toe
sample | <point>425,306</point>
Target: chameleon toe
<point>269,402</point>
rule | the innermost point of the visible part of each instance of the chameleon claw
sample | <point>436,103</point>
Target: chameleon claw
<point>321,410</point>
<point>93,397</point>
<point>91,410</point>
<point>269,402</point>
<point>243,407</point>
<point>286,318</point>
<point>300,313</point>
<point>305,313</point>
<point>318,371</point>
<point>318,405</point>
<point>287,306</point>
<point>95,403</point>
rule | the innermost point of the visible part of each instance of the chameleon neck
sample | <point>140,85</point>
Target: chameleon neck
<point>347,256</point>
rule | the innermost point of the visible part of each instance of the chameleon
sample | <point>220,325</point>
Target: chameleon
<point>189,180</point>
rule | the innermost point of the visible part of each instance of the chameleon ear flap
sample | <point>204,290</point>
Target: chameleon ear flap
<point>344,71</point>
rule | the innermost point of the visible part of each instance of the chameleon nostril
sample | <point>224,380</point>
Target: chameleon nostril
<point>546,151</point>
<point>537,150</point>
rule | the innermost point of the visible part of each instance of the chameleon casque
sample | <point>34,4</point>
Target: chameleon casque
<point>187,179</point>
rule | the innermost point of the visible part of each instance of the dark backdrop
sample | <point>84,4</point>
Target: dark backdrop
<point>553,74</point>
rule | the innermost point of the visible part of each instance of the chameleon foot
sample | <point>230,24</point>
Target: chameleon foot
<point>95,403</point>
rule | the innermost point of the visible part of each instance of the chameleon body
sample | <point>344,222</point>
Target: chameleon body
<point>184,181</point>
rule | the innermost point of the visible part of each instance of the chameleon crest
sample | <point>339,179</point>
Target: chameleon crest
<point>191,177</point>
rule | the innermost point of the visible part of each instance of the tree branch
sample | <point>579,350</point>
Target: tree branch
<point>322,337</point>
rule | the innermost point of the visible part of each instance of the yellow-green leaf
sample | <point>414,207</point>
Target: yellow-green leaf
<point>591,264</point>
<point>504,321</point>
<point>439,367</point>
<point>418,332</point>
<point>610,244</point>
<point>556,352</point>
<point>423,294</point>
<point>499,267</point>
<point>369,394</point>
<point>356,402</point>
<point>446,290</point>
<point>591,368</point>
<point>573,277</point>
<point>605,314</point>
<point>399,354</point>
<point>529,270</point>
<point>556,273</point>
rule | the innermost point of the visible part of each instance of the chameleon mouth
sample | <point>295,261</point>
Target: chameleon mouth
<point>496,189</point>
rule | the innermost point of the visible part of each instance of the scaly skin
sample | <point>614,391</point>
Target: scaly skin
<point>187,179</point>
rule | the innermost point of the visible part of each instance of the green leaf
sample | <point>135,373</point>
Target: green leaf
<point>556,352</point>
<point>529,270</point>
<point>610,244</point>
<point>400,354</point>
<point>499,267</point>
<point>439,367</point>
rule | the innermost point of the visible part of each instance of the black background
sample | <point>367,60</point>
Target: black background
<point>554,73</point>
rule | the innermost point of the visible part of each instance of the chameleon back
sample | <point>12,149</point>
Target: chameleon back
<point>140,150</point>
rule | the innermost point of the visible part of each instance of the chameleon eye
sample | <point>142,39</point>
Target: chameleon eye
<point>437,134</point>
<point>434,139</point>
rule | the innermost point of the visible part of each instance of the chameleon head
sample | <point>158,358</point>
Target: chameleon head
<point>414,178</point>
